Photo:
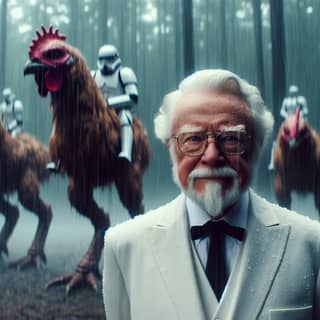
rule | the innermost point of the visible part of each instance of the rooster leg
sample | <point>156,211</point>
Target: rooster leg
<point>28,195</point>
<point>317,192</point>
<point>87,272</point>
<point>11,215</point>
<point>129,185</point>
<point>283,194</point>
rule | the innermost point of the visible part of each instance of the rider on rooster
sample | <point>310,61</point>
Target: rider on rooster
<point>118,85</point>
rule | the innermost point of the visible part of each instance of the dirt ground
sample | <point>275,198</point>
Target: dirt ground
<point>22,293</point>
<point>24,297</point>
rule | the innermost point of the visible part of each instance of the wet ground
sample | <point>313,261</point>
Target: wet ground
<point>22,293</point>
<point>24,297</point>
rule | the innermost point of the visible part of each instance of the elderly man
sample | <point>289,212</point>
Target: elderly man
<point>218,251</point>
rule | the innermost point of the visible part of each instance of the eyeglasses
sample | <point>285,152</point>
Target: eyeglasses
<point>228,142</point>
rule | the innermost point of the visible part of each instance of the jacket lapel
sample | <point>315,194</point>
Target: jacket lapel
<point>250,280</point>
<point>179,266</point>
<point>257,264</point>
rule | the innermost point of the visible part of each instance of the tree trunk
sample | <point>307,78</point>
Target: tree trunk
<point>177,35</point>
<point>134,35</point>
<point>224,40</point>
<point>278,57</point>
<point>103,18</point>
<point>74,17</point>
<point>187,27</point>
<point>259,46</point>
<point>3,41</point>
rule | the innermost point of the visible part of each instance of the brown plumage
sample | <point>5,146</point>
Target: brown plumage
<point>23,162</point>
<point>297,160</point>
<point>86,141</point>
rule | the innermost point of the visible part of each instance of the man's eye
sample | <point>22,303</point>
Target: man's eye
<point>193,139</point>
<point>229,138</point>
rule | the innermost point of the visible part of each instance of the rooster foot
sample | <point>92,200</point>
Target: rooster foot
<point>76,279</point>
<point>3,251</point>
<point>29,261</point>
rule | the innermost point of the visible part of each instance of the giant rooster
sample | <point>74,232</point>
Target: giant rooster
<point>297,160</point>
<point>23,161</point>
<point>85,140</point>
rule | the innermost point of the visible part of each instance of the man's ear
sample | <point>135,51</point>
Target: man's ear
<point>168,143</point>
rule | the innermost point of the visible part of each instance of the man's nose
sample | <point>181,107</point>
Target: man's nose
<point>212,155</point>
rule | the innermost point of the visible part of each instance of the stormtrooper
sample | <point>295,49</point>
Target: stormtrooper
<point>289,106</point>
<point>292,102</point>
<point>118,85</point>
<point>11,111</point>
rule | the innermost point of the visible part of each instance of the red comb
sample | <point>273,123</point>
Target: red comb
<point>42,39</point>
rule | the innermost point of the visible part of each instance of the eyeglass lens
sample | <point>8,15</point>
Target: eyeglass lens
<point>228,142</point>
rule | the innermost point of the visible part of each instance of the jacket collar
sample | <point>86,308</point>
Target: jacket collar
<point>251,278</point>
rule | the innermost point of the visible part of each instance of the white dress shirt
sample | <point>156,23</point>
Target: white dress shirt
<point>237,216</point>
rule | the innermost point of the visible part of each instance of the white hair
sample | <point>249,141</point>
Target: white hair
<point>212,79</point>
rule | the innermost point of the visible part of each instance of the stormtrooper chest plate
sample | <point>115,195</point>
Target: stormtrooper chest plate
<point>109,85</point>
<point>7,114</point>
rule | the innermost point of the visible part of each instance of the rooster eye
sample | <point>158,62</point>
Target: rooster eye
<point>286,131</point>
<point>303,131</point>
<point>53,54</point>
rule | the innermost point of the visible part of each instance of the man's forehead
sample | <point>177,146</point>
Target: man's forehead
<point>197,128</point>
<point>211,103</point>
<point>210,111</point>
<point>199,98</point>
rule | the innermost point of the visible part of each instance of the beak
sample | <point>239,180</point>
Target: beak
<point>34,67</point>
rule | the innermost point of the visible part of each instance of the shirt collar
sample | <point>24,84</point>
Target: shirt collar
<point>237,216</point>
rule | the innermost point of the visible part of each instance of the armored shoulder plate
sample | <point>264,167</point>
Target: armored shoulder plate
<point>93,73</point>
<point>18,106</point>
<point>127,76</point>
<point>2,106</point>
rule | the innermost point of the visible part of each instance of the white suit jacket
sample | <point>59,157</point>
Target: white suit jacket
<point>152,272</point>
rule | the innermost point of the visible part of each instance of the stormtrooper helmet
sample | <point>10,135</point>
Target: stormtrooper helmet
<point>7,95</point>
<point>293,90</point>
<point>108,59</point>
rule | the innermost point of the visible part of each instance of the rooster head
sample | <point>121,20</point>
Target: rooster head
<point>294,130</point>
<point>49,60</point>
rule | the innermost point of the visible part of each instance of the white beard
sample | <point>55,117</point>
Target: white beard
<point>211,200</point>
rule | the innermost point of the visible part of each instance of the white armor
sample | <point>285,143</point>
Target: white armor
<point>119,87</point>
<point>109,84</point>
<point>291,103</point>
<point>11,111</point>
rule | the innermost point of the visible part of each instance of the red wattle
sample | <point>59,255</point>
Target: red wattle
<point>53,81</point>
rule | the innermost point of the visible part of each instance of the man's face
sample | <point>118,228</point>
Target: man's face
<point>213,178</point>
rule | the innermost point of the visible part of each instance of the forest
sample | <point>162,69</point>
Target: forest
<point>271,43</point>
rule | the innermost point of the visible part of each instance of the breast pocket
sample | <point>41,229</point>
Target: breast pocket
<point>302,313</point>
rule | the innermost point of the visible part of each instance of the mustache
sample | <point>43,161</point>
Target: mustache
<point>223,172</point>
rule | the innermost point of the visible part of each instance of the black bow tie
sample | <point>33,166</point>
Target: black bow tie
<point>212,227</point>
